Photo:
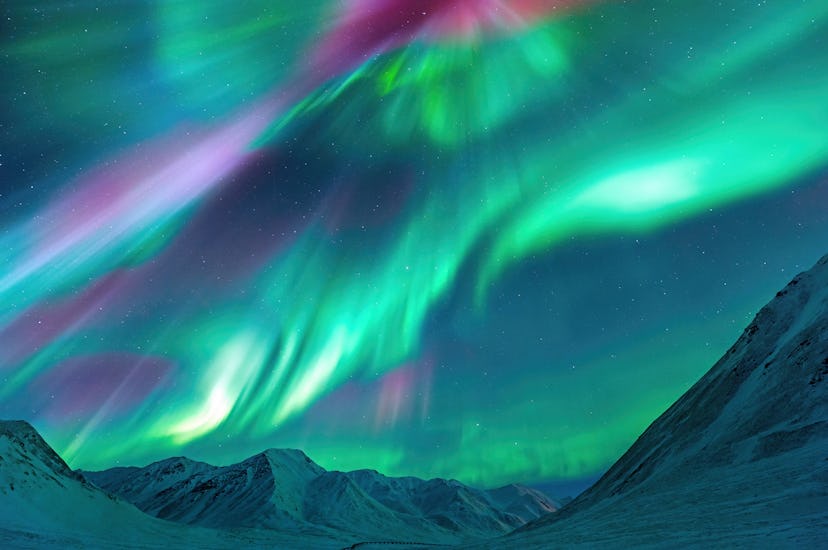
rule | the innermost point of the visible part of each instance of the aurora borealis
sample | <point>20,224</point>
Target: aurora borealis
<point>482,239</point>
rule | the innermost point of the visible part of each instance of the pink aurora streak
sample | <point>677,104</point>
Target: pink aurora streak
<point>114,206</point>
<point>368,28</point>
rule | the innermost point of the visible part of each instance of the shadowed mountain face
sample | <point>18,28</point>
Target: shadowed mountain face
<point>284,489</point>
<point>741,457</point>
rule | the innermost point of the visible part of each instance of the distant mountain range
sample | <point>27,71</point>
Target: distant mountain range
<point>285,490</point>
<point>740,460</point>
<point>279,497</point>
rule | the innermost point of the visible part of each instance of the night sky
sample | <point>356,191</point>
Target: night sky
<point>489,240</point>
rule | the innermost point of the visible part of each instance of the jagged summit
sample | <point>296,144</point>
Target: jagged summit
<point>23,433</point>
<point>295,454</point>
<point>174,463</point>
<point>16,427</point>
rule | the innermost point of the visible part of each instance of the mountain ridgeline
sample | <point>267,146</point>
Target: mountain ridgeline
<point>284,489</point>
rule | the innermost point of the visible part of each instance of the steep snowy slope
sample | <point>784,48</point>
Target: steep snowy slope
<point>38,489</point>
<point>44,504</point>
<point>741,458</point>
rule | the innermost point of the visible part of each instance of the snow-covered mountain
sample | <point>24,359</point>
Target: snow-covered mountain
<point>266,490</point>
<point>276,498</point>
<point>286,490</point>
<point>44,504</point>
<point>740,459</point>
<point>38,489</point>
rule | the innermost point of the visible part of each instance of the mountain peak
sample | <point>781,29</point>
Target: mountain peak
<point>17,428</point>
<point>32,451</point>
<point>285,459</point>
<point>290,454</point>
